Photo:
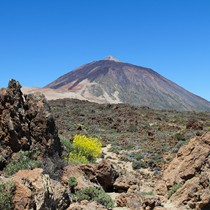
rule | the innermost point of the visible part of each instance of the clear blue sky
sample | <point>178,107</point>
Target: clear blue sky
<point>41,40</point>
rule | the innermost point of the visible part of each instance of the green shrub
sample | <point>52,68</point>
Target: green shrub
<point>66,143</point>
<point>139,164</point>
<point>147,193</point>
<point>114,149</point>
<point>174,188</point>
<point>179,137</point>
<point>6,190</point>
<point>180,144</point>
<point>138,156</point>
<point>154,159</point>
<point>21,161</point>
<point>72,181</point>
<point>94,194</point>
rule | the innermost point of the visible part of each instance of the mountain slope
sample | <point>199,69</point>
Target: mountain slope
<point>112,81</point>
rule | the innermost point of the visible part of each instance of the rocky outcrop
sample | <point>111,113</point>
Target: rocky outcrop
<point>186,181</point>
<point>35,190</point>
<point>126,183</point>
<point>82,179</point>
<point>102,174</point>
<point>25,124</point>
<point>106,174</point>
<point>86,205</point>
<point>136,201</point>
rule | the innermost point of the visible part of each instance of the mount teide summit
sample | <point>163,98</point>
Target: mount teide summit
<point>112,81</point>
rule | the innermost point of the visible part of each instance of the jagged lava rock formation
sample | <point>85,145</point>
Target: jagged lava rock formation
<point>25,124</point>
<point>113,81</point>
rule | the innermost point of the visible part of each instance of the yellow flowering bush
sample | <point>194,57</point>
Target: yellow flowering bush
<point>87,146</point>
<point>77,158</point>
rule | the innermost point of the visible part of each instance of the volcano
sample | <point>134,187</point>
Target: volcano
<point>112,81</point>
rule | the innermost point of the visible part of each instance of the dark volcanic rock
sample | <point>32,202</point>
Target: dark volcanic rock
<point>25,124</point>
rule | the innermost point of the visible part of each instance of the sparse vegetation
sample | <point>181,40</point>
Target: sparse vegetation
<point>156,131</point>
<point>6,190</point>
<point>145,137</point>
<point>22,160</point>
<point>147,193</point>
<point>94,194</point>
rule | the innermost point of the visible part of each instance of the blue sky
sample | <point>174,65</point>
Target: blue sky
<point>41,40</point>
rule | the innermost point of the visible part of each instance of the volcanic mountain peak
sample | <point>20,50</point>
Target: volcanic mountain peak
<point>112,81</point>
<point>111,58</point>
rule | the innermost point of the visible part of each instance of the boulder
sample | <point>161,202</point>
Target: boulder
<point>126,182</point>
<point>136,201</point>
<point>87,175</point>
<point>86,205</point>
<point>82,180</point>
<point>35,190</point>
<point>106,174</point>
<point>25,124</point>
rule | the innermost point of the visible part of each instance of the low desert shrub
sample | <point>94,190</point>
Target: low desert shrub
<point>138,156</point>
<point>67,144</point>
<point>154,160</point>
<point>174,188</point>
<point>22,160</point>
<point>181,144</point>
<point>150,193</point>
<point>114,149</point>
<point>139,164</point>
<point>72,182</point>
<point>6,190</point>
<point>94,194</point>
<point>179,137</point>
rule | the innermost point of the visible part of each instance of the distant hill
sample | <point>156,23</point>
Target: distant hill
<point>110,80</point>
